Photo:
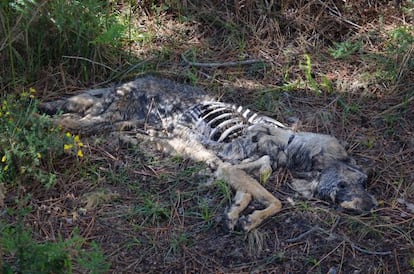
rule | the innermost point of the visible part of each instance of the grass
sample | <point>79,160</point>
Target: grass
<point>152,213</point>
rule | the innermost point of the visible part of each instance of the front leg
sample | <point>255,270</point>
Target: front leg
<point>262,165</point>
<point>247,189</point>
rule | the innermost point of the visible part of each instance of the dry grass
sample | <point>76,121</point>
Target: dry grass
<point>151,213</point>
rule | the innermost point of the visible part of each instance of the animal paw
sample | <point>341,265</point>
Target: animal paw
<point>244,224</point>
<point>229,223</point>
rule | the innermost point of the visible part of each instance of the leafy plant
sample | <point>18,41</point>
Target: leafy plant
<point>27,141</point>
<point>177,242</point>
<point>206,213</point>
<point>343,50</point>
<point>153,210</point>
<point>310,81</point>
<point>27,256</point>
<point>307,69</point>
<point>85,29</point>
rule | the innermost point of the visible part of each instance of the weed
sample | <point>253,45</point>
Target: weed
<point>349,108</point>
<point>345,49</point>
<point>400,40</point>
<point>224,188</point>
<point>29,145</point>
<point>303,206</point>
<point>370,142</point>
<point>307,69</point>
<point>309,82</point>
<point>313,261</point>
<point>86,29</point>
<point>206,212</point>
<point>28,256</point>
<point>29,142</point>
<point>177,242</point>
<point>153,211</point>
<point>411,262</point>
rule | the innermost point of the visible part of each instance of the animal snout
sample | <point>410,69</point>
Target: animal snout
<point>360,203</point>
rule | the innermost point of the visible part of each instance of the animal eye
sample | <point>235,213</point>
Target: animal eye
<point>342,185</point>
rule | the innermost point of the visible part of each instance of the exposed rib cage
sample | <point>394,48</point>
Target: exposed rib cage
<point>221,122</point>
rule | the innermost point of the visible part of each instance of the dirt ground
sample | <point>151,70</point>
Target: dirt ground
<point>155,213</point>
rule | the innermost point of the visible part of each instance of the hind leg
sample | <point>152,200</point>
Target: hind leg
<point>247,189</point>
<point>240,201</point>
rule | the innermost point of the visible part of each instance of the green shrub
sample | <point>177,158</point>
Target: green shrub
<point>24,255</point>
<point>345,49</point>
<point>37,34</point>
<point>30,143</point>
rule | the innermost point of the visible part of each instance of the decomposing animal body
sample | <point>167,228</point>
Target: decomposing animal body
<point>236,142</point>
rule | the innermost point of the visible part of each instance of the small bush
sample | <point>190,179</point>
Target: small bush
<point>27,256</point>
<point>30,143</point>
<point>38,34</point>
<point>27,141</point>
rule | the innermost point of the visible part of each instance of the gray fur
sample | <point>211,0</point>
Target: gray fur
<point>319,164</point>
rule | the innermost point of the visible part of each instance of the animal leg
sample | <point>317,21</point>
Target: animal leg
<point>273,205</point>
<point>243,183</point>
<point>240,201</point>
<point>263,165</point>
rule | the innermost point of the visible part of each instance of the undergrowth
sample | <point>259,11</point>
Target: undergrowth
<point>84,35</point>
<point>25,255</point>
<point>30,145</point>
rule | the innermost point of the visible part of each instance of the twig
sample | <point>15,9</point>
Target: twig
<point>336,13</point>
<point>396,106</point>
<point>90,61</point>
<point>224,64</point>
<point>122,73</point>
<point>381,253</point>
<point>303,235</point>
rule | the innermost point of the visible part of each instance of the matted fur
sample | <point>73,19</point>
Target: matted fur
<point>237,143</point>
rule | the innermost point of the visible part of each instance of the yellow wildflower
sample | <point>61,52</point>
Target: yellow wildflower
<point>6,168</point>
<point>32,90</point>
<point>67,146</point>
<point>80,153</point>
<point>38,155</point>
<point>3,159</point>
<point>76,138</point>
<point>68,134</point>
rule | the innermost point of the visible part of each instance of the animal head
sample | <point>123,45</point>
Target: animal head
<point>345,185</point>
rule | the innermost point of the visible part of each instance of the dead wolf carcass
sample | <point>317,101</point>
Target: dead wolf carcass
<point>235,142</point>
